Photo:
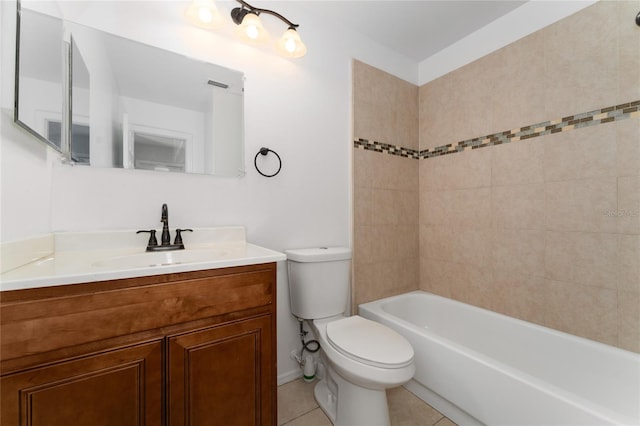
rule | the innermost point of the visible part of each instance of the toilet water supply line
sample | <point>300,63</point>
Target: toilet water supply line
<point>306,362</point>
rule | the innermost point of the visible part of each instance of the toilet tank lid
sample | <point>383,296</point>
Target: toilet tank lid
<point>319,254</point>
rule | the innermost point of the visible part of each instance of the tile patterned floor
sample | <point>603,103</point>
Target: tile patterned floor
<point>297,407</point>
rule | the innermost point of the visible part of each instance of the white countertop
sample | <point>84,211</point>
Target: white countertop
<point>108,257</point>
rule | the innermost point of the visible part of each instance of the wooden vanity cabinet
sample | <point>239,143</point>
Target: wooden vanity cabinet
<point>196,348</point>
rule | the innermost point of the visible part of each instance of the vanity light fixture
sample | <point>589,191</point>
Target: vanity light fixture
<point>250,28</point>
<point>204,13</point>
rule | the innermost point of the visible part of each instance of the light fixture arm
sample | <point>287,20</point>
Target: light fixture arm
<point>238,14</point>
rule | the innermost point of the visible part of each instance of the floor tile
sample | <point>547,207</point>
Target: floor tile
<point>406,409</point>
<point>294,400</point>
<point>297,407</point>
<point>313,418</point>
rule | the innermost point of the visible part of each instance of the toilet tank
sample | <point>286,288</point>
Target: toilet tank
<point>319,281</point>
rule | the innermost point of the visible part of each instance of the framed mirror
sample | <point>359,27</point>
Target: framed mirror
<point>133,105</point>
<point>40,76</point>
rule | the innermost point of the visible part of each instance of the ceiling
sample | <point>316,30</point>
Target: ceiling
<point>417,29</point>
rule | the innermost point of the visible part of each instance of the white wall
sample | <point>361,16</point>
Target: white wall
<point>299,108</point>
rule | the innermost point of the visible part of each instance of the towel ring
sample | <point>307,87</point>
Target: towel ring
<point>265,151</point>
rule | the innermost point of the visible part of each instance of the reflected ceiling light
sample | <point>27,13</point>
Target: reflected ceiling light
<point>250,29</point>
<point>204,13</point>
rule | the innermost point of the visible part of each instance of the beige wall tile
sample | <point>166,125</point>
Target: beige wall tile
<point>560,252</point>
<point>385,207</point>
<point>363,243</point>
<point>469,169</point>
<point>628,48</point>
<point>459,208</point>
<point>383,279</point>
<point>363,206</point>
<point>440,119</point>
<point>597,258</point>
<point>629,317</point>
<point>408,243</point>
<point>579,154</point>
<point>472,284</point>
<point>628,212</point>
<point>438,243</point>
<point>474,84</point>
<point>519,295</point>
<point>518,163</point>
<point>628,147</point>
<point>519,251</point>
<point>408,276</point>
<point>394,172</point>
<point>518,206</point>
<point>385,107</point>
<point>385,243</point>
<point>581,205</point>
<point>581,72</point>
<point>518,96</point>
<point>433,208</point>
<point>434,275</point>
<point>473,246</point>
<point>586,258</point>
<point>363,168</point>
<point>589,312</point>
<point>629,263</point>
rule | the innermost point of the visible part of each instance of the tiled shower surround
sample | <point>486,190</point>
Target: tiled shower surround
<point>540,222</point>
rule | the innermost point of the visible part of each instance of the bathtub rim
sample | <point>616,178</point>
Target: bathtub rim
<point>376,308</point>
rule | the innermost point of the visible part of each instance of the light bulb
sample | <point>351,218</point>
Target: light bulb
<point>204,13</point>
<point>252,32</point>
<point>290,44</point>
<point>251,29</point>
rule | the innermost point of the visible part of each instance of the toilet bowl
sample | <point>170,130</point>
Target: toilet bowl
<point>365,352</point>
<point>362,358</point>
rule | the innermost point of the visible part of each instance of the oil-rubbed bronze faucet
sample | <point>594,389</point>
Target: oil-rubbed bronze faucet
<point>165,239</point>
<point>164,218</point>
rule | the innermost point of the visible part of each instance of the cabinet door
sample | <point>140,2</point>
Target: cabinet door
<point>222,375</point>
<point>117,388</point>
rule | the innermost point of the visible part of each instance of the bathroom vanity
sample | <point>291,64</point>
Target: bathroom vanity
<point>166,347</point>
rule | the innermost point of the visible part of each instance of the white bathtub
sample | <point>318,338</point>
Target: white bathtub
<point>479,367</point>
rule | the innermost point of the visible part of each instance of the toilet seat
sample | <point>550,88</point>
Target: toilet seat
<point>369,342</point>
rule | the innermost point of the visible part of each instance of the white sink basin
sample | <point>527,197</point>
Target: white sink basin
<point>162,258</point>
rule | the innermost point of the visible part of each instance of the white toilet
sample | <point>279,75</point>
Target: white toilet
<point>362,358</point>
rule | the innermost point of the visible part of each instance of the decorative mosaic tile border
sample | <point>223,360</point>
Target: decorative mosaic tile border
<point>572,122</point>
<point>385,147</point>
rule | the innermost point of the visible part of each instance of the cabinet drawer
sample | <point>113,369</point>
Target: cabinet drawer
<point>34,326</point>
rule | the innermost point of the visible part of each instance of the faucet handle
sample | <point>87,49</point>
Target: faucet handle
<point>152,237</point>
<point>178,239</point>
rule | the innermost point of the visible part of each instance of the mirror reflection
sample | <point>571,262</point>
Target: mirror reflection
<point>80,127</point>
<point>136,106</point>
<point>40,75</point>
